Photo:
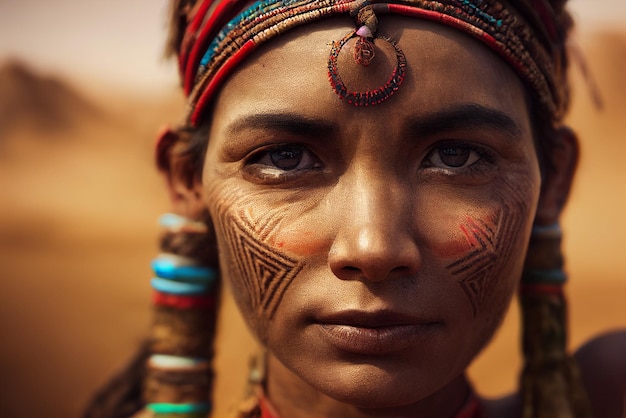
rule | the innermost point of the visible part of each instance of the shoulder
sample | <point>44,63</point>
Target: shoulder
<point>602,363</point>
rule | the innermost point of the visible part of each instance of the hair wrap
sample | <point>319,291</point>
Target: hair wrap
<point>528,34</point>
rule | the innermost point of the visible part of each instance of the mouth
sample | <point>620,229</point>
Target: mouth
<point>375,333</point>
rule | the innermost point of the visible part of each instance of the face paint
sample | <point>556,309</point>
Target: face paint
<point>491,240</point>
<point>260,273</point>
<point>264,271</point>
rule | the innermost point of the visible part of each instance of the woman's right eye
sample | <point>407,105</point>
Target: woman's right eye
<point>281,162</point>
<point>286,158</point>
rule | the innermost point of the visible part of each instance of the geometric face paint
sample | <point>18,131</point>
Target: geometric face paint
<point>491,242</point>
<point>265,271</point>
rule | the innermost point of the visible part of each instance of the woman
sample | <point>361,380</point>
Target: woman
<point>372,180</point>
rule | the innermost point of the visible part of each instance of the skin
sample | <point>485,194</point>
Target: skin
<point>369,218</point>
<point>374,251</point>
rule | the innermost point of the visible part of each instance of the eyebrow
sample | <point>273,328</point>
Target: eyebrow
<point>284,122</point>
<point>464,116</point>
<point>461,116</point>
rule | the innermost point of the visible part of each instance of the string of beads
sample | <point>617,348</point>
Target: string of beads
<point>211,50</point>
<point>179,376</point>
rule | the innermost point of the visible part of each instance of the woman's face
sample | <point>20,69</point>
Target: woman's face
<point>373,249</point>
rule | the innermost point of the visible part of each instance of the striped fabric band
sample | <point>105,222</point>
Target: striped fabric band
<point>525,33</point>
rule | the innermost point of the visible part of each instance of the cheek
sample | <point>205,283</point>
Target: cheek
<point>479,269</point>
<point>302,241</point>
<point>483,250</point>
<point>458,240</point>
<point>258,268</point>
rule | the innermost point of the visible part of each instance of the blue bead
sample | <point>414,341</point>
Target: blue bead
<point>179,408</point>
<point>251,11</point>
<point>179,288</point>
<point>548,276</point>
<point>168,269</point>
<point>170,220</point>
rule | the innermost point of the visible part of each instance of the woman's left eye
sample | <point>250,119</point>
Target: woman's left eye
<point>452,157</point>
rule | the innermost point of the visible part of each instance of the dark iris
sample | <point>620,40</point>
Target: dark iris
<point>454,156</point>
<point>286,158</point>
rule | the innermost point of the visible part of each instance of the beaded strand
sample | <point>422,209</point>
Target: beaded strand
<point>179,377</point>
<point>365,98</point>
<point>234,36</point>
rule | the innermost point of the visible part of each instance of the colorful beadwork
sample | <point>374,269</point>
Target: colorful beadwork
<point>169,362</point>
<point>212,50</point>
<point>365,98</point>
<point>170,268</point>
<point>179,378</point>
<point>183,301</point>
<point>178,288</point>
<point>555,276</point>
<point>178,408</point>
<point>544,261</point>
<point>177,223</point>
<point>364,51</point>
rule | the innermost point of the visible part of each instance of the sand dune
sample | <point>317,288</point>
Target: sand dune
<point>80,199</point>
<point>39,104</point>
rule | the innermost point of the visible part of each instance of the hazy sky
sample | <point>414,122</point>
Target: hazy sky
<point>111,39</point>
<point>121,40</point>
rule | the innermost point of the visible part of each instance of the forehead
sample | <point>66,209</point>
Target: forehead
<point>445,68</point>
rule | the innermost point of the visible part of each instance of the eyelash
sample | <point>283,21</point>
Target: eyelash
<point>270,173</point>
<point>484,159</point>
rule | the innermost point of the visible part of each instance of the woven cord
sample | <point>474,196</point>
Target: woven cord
<point>550,381</point>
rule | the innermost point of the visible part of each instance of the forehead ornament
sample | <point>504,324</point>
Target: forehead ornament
<point>364,53</point>
<point>528,34</point>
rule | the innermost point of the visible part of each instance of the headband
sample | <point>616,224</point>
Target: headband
<point>527,34</point>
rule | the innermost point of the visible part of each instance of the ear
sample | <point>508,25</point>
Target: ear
<point>183,185</point>
<point>560,160</point>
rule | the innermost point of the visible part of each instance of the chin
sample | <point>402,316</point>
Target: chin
<point>371,386</point>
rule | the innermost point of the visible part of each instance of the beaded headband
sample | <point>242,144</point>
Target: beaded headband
<point>527,34</point>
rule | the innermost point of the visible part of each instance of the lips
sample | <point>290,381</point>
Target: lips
<point>374,333</point>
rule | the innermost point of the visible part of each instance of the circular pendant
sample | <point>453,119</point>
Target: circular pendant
<point>363,54</point>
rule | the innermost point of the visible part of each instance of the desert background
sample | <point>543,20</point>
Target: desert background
<point>83,93</point>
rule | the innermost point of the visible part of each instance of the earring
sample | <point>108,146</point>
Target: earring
<point>179,376</point>
<point>253,403</point>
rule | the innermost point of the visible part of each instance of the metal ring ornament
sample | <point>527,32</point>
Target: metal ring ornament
<point>365,98</point>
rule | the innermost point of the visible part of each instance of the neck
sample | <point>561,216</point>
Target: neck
<point>291,397</point>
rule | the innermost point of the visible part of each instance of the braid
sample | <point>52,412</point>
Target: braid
<point>183,326</point>
<point>179,376</point>
<point>550,381</point>
<point>121,396</point>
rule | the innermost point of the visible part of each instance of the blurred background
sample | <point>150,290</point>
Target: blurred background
<point>84,90</point>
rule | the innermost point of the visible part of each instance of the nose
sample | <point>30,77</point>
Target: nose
<point>375,240</point>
